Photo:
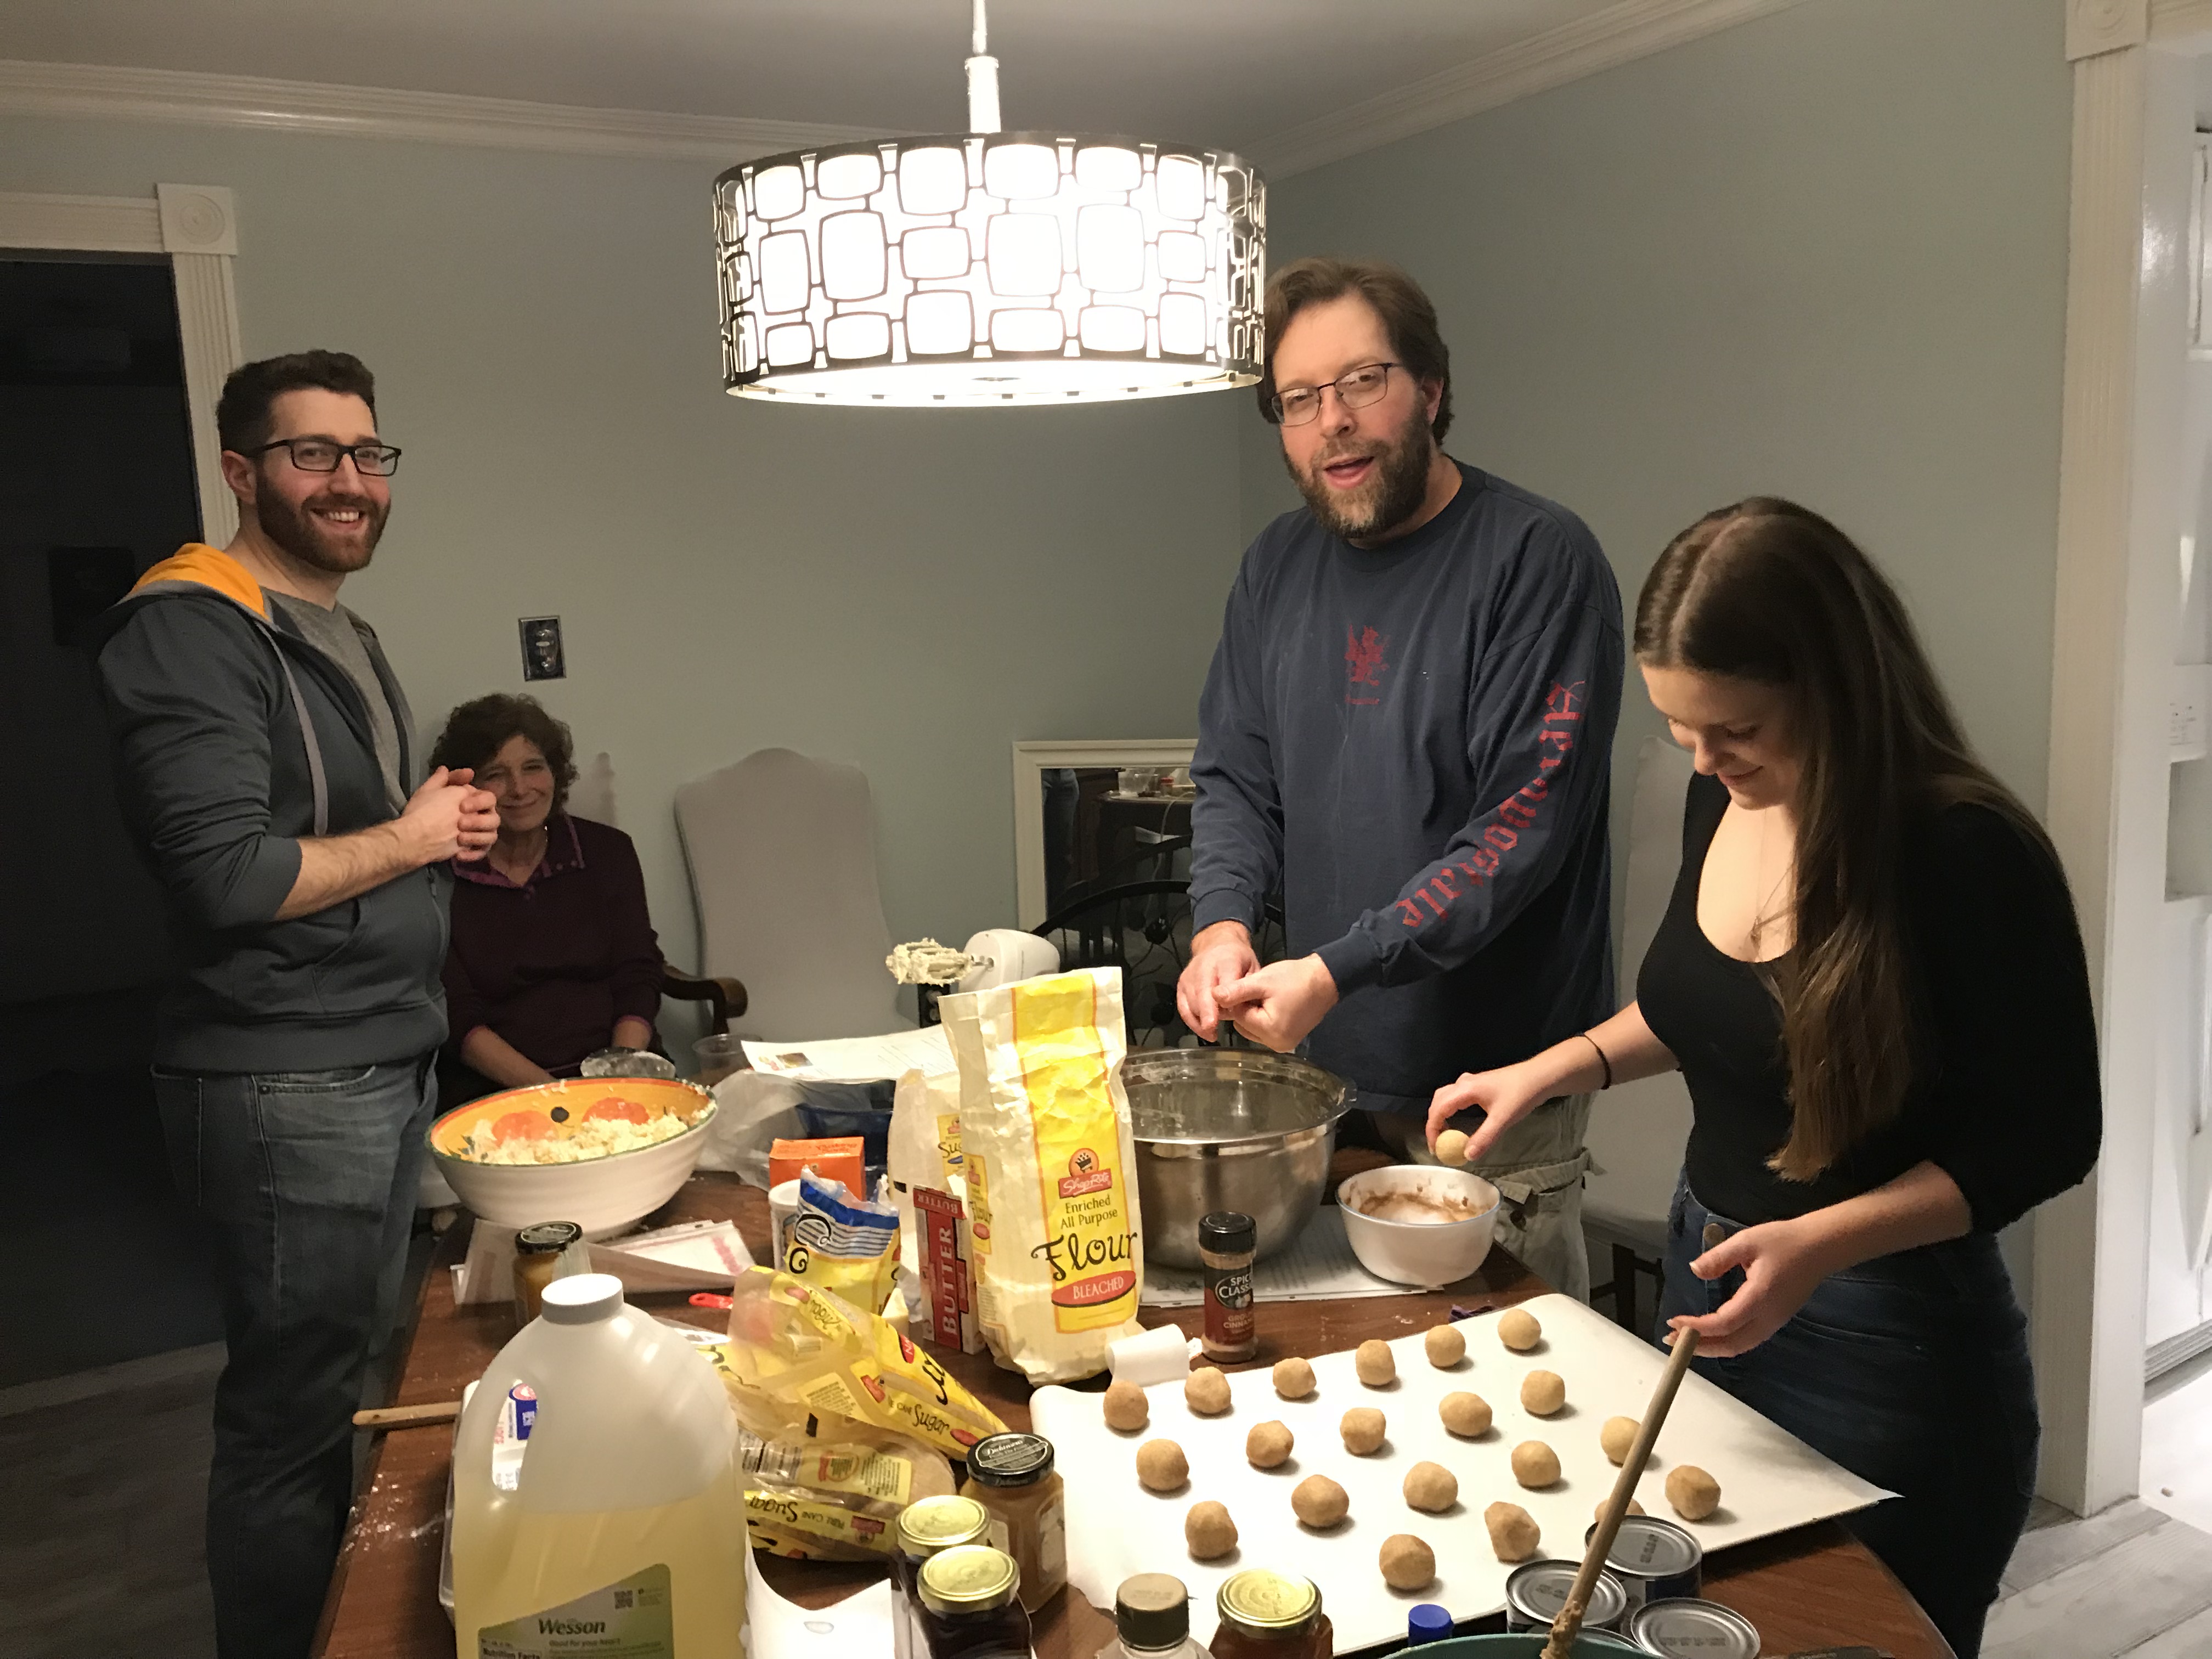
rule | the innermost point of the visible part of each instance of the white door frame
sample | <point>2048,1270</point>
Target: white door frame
<point>196,226</point>
<point>2119,504</point>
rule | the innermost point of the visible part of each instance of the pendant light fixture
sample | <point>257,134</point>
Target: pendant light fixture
<point>990,268</point>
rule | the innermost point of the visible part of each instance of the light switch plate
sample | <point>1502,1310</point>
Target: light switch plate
<point>541,656</point>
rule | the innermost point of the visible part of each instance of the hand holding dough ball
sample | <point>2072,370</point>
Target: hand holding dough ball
<point>1161,1466</point>
<point>1542,1392</point>
<point>1513,1531</point>
<point>1465,1414</point>
<point>1268,1445</point>
<point>1535,1464</point>
<point>1451,1147</point>
<point>1376,1364</point>
<point>1207,1392</point>
<point>1293,1378</point>
<point>1127,1408</point>
<point>1598,1514</point>
<point>1431,1487</point>
<point>1362,1429</point>
<point>1407,1563</point>
<point>1209,1532</point>
<point>1694,1493</point>
<point>1518,1330</point>
<point>1320,1502</point>
<point>1617,1435</point>
<point>1445,1346</point>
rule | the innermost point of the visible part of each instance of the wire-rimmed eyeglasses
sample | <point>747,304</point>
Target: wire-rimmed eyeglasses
<point>1355,389</point>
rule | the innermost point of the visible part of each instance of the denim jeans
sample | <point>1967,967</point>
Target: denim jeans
<point>306,1181</point>
<point>1912,1370</point>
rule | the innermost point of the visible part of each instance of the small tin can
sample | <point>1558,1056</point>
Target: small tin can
<point>1536,1590</point>
<point>1686,1628</point>
<point>1654,1560</point>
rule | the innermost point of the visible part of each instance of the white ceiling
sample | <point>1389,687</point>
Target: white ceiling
<point>1231,72</point>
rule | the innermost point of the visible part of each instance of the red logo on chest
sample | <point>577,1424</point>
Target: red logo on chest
<point>1364,665</point>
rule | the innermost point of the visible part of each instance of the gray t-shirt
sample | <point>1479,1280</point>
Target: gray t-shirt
<point>337,633</point>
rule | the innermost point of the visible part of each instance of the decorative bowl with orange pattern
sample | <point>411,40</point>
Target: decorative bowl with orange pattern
<point>624,1146</point>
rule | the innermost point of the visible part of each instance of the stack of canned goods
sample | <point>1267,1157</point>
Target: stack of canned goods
<point>1647,1598</point>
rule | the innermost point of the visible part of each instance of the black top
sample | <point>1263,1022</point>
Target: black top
<point>2005,1100</point>
<point>1411,743</point>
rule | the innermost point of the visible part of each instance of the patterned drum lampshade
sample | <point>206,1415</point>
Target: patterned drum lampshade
<point>987,269</point>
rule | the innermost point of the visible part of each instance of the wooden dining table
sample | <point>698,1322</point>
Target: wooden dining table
<point>1814,1587</point>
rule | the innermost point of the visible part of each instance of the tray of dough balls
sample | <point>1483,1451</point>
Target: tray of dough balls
<point>1440,1459</point>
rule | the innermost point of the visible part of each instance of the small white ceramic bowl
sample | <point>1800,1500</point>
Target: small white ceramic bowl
<point>1425,1253</point>
<point>602,1196</point>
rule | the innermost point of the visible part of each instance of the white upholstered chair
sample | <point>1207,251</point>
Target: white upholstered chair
<point>1637,1130</point>
<point>781,849</point>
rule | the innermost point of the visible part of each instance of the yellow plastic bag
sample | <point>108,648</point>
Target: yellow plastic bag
<point>798,1352</point>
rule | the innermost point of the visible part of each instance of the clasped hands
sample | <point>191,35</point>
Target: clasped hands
<point>452,819</point>
<point>1275,1005</point>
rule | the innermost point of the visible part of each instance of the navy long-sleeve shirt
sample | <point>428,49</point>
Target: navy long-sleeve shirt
<point>1412,745</point>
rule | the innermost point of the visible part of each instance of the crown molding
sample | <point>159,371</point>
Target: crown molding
<point>2177,19</point>
<point>105,93</point>
<point>1620,34</point>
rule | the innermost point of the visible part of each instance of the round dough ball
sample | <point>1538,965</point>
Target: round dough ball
<point>1543,1393</point>
<point>1320,1502</point>
<point>1518,1330</point>
<point>1268,1445</point>
<point>1451,1147</point>
<point>1363,1429</point>
<point>1127,1408</point>
<point>1209,1531</point>
<point>1430,1486</point>
<point>1293,1378</point>
<point>1207,1392</point>
<point>1634,1508</point>
<point>1513,1531</point>
<point>1161,1466</point>
<point>1407,1563</point>
<point>1617,1435</point>
<point>1535,1464</point>
<point>1694,1493</point>
<point>1445,1346</point>
<point>1375,1362</point>
<point>1466,1415</point>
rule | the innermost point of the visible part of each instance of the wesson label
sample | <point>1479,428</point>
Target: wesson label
<point>1089,1243</point>
<point>633,1618</point>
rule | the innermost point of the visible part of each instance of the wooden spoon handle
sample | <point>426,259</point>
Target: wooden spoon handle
<point>1569,1624</point>
<point>407,1417</point>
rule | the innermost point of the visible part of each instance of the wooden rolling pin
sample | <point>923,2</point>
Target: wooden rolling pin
<point>407,1417</point>
<point>1569,1624</point>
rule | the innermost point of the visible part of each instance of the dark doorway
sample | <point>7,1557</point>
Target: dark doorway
<point>96,484</point>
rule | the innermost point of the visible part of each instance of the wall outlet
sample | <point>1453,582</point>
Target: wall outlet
<point>542,657</point>
<point>2189,711</point>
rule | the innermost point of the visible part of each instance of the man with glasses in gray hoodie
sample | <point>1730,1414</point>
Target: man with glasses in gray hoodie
<point>265,757</point>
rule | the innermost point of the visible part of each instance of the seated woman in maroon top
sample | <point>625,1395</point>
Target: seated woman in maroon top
<point>553,955</point>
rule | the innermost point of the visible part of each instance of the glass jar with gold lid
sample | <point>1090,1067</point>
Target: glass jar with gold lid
<point>925,1527</point>
<point>971,1605</point>
<point>1271,1615</point>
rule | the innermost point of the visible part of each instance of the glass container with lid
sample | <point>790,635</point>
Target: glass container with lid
<point>925,1527</point>
<point>971,1606</point>
<point>538,1250</point>
<point>1012,1475</point>
<point>1271,1615</point>
<point>1227,1241</point>
<point>1152,1620</point>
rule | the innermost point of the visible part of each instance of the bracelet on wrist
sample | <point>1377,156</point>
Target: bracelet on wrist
<point>1602,1058</point>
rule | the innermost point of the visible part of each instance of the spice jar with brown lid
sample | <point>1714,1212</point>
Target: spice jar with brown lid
<point>1012,1475</point>
<point>1271,1615</point>
<point>971,1605</point>
<point>1226,1244</point>
<point>925,1527</point>
<point>538,1250</point>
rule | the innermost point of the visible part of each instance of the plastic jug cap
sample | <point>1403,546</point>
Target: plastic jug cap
<point>582,1298</point>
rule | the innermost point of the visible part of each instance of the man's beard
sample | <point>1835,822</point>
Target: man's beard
<point>1391,496</point>
<point>295,530</point>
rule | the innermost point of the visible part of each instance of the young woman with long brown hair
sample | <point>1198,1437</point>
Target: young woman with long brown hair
<point>1871,977</point>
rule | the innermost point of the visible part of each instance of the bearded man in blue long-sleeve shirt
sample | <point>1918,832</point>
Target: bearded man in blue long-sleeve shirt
<point>1405,734</point>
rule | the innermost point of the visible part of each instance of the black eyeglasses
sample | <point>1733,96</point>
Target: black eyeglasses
<point>319,455</point>
<point>1355,389</point>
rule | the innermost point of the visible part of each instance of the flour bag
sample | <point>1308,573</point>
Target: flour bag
<point>1050,1167</point>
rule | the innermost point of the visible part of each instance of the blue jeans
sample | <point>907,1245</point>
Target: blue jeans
<point>306,1181</point>
<point>1911,1370</point>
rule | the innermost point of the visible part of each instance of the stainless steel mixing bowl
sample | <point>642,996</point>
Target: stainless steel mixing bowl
<point>1228,1129</point>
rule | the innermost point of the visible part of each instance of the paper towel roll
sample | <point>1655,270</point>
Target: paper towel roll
<point>1162,1354</point>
